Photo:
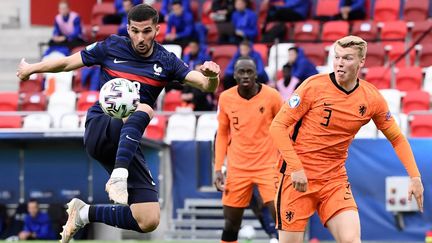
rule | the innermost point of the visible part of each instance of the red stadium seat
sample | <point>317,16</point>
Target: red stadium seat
<point>262,49</point>
<point>409,78</point>
<point>394,31</point>
<point>396,50</point>
<point>172,100</point>
<point>156,128</point>
<point>334,30</point>
<point>9,101</point>
<point>416,10</point>
<point>421,126</point>
<point>417,100</point>
<point>315,52</point>
<point>327,8</point>
<point>160,37</point>
<point>379,76</point>
<point>367,30</point>
<point>419,29</point>
<point>99,11</point>
<point>34,84</point>
<point>34,102</point>
<point>425,59</point>
<point>386,10</point>
<point>212,33</point>
<point>11,122</point>
<point>222,54</point>
<point>194,7</point>
<point>375,54</point>
<point>306,31</point>
<point>106,30</point>
<point>87,99</point>
<point>205,14</point>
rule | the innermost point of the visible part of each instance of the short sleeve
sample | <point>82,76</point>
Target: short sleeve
<point>93,54</point>
<point>179,69</point>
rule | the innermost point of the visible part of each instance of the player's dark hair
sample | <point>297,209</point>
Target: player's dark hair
<point>143,12</point>
<point>294,48</point>
<point>245,58</point>
<point>33,200</point>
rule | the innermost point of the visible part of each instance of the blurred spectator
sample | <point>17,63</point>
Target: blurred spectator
<point>245,49</point>
<point>37,225</point>
<point>90,76</point>
<point>221,10</point>
<point>284,85</point>
<point>67,32</point>
<point>289,10</point>
<point>127,5</point>
<point>352,9</point>
<point>243,24</point>
<point>197,54</point>
<point>301,67</point>
<point>121,12</point>
<point>196,99</point>
<point>181,26</point>
<point>166,8</point>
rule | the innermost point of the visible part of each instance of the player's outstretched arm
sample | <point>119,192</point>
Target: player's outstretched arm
<point>68,63</point>
<point>403,151</point>
<point>207,80</point>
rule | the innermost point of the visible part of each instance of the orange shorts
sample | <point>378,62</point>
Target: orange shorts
<point>239,187</point>
<point>327,197</point>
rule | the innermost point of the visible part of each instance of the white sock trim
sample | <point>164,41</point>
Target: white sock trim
<point>83,213</point>
<point>120,172</point>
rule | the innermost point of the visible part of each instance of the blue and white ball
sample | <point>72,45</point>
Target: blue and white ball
<point>119,98</point>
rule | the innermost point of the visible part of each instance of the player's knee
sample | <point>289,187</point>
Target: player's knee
<point>147,109</point>
<point>148,223</point>
<point>349,237</point>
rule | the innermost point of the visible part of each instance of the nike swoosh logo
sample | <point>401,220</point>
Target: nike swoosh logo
<point>327,104</point>
<point>127,136</point>
<point>154,184</point>
<point>119,61</point>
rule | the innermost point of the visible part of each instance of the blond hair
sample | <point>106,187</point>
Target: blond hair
<point>354,42</point>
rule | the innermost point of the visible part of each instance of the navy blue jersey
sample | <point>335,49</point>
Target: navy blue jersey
<point>118,59</point>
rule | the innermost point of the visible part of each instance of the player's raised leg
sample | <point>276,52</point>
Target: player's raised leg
<point>130,137</point>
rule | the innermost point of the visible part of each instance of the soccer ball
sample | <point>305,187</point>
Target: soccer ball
<point>119,98</point>
<point>247,232</point>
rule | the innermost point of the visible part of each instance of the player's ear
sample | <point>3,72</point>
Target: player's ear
<point>157,29</point>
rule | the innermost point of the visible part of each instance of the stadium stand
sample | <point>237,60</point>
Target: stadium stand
<point>87,99</point>
<point>393,98</point>
<point>379,76</point>
<point>33,102</point>
<point>70,121</point>
<point>99,11</point>
<point>421,28</point>
<point>416,10</point>
<point>172,100</point>
<point>176,49</point>
<point>366,29</point>
<point>394,30</point>
<point>61,103</point>
<point>181,127</point>
<point>11,122</point>
<point>37,121</point>
<point>421,126</point>
<point>9,101</point>
<point>206,127</point>
<point>315,52</point>
<point>409,78</point>
<point>156,128</point>
<point>386,10</point>
<point>327,8</point>
<point>417,100</point>
<point>334,30</point>
<point>306,31</point>
<point>375,55</point>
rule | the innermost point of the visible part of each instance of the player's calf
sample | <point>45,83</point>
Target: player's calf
<point>147,215</point>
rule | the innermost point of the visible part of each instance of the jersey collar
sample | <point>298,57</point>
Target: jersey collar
<point>333,79</point>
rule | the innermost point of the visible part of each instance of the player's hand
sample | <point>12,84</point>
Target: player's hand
<point>219,181</point>
<point>299,180</point>
<point>210,69</point>
<point>23,72</point>
<point>416,189</point>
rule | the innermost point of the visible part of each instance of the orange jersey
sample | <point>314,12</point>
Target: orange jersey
<point>243,132</point>
<point>322,120</point>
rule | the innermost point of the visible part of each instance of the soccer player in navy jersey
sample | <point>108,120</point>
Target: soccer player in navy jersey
<point>114,142</point>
